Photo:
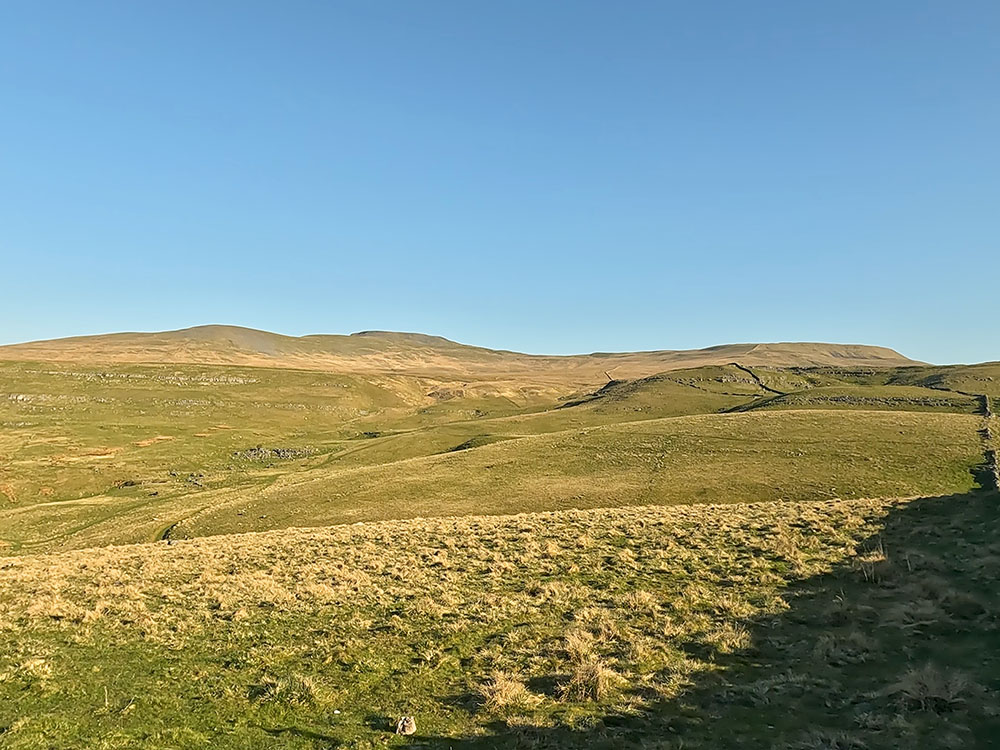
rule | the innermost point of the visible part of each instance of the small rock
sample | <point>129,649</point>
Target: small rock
<point>406,725</point>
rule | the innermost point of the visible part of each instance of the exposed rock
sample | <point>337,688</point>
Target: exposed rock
<point>406,725</point>
<point>259,453</point>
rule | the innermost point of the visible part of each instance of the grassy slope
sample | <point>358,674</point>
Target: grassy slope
<point>716,458</point>
<point>705,390</point>
<point>979,378</point>
<point>905,398</point>
<point>867,624</point>
<point>847,624</point>
<point>76,431</point>
<point>87,461</point>
<point>73,431</point>
<point>805,455</point>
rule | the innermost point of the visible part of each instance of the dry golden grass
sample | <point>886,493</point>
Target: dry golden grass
<point>590,679</point>
<point>391,352</point>
<point>504,693</point>
<point>740,624</point>
<point>167,590</point>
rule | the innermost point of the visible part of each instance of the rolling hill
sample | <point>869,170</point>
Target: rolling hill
<point>93,454</point>
<point>422,355</point>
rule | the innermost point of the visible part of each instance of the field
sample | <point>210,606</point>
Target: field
<point>789,546</point>
<point>130,453</point>
<point>850,623</point>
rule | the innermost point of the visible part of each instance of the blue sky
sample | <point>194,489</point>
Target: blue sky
<point>542,176</point>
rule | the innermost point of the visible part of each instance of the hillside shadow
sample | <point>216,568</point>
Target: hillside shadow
<point>896,647</point>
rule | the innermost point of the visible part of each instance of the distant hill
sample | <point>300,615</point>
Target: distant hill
<point>420,354</point>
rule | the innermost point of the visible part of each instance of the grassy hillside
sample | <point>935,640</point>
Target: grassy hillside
<point>903,398</point>
<point>711,459</point>
<point>833,624</point>
<point>690,391</point>
<point>792,455</point>
<point>94,455</point>
<point>980,378</point>
<point>736,387</point>
<point>70,431</point>
<point>418,354</point>
<point>74,431</point>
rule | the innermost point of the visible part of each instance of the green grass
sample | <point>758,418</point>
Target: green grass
<point>874,397</point>
<point>72,431</point>
<point>701,390</point>
<point>792,455</point>
<point>712,458</point>
<point>979,378</point>
<point>94,456</point>
<point>827,624</point>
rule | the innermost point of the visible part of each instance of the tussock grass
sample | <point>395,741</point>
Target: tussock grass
<point>504,693</point>
<point>590,679</point>
<point>293,690</point>
<point>744,625</point>
<point>934,688</point>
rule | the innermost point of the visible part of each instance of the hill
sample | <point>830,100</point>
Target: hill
<point>715,458</point>
<point>98,454</point>
<point>422,355</point>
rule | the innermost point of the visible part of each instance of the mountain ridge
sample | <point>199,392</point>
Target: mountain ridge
<point>422,354</point>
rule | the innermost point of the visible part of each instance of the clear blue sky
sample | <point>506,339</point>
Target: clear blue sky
<point>543,176</point>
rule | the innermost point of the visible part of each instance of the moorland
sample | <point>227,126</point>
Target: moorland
<point>230,538</point>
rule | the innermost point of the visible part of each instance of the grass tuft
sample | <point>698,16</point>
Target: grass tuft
<point>291,690</point>
<point>590,679</point>
<point>504,693</point>
<point>934,689</point>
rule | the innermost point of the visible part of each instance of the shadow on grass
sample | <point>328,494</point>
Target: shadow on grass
<point>303,732</point>
<point>897,647</point>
